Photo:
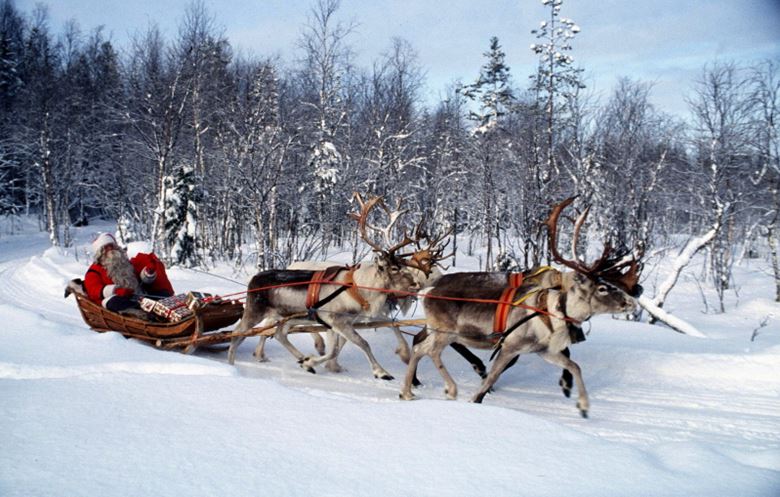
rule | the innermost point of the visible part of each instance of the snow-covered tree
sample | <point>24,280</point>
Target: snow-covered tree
<point>324,74</point>
<point>492,92</point>
<point>765,82</point>
<point>555,83</point>
<point>722,113</point>
<point>181,215</point>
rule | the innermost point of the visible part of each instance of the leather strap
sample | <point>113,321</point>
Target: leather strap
<point>317,280</point>
<point>352,290</point>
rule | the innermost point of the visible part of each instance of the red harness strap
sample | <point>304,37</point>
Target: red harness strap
<point>328,275</point>
<point>514,281</point>
<point>317,280</point>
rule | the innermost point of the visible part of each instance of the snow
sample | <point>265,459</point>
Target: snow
<point>87,414</point>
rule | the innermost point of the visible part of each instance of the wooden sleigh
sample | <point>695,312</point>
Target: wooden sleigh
<point>189,333</point>
<point>204,328</point>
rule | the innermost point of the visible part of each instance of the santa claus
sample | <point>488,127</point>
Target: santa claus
<point>116,282</point>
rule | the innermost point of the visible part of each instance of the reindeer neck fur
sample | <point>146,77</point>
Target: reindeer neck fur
<point>369,276</point>
<point>387,276</point>
<point>578,297</point>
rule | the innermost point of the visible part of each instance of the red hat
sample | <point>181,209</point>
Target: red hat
<point>101,241</point>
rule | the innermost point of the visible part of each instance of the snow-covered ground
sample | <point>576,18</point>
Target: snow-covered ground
<point>93,414</point>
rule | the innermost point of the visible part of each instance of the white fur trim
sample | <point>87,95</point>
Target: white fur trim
<point>101,241</point>
<point>108,291</point>
<point>147,277</point>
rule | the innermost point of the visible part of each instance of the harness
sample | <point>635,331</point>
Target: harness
<point>506,302</point>
<point>326,277</point>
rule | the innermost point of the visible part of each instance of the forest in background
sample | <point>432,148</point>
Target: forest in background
<point>213,155</point>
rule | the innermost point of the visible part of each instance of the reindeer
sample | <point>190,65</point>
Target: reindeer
<point>337,309</point>
<point>421,278</point>
<point>547,322</point>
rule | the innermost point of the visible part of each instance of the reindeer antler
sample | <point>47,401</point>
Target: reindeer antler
<point>425,258</point>
<point>552,234</point>
<point>362,218</point>
<point>393,216</point>
<point>609,267</point>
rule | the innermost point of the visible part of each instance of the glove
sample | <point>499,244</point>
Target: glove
<point>149,273</point>
<point>123,292</point>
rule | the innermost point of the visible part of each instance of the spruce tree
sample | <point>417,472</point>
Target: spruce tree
<point>181,216</point>
<point>492,92</point>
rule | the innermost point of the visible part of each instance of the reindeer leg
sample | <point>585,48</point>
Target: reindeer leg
<point>450,387</point>
<point>330,358</point>
<point>259,352</point>
<point>403,347</point>
<point>501,362</point>
<point>421,347</point>
<point>476,362</point>
<point>347,331</point>
<point>319,343</point>
<point>242,326</point>
<point>281,335</point>
<point>560,359</point>
<point>336,342</point>
<point>418,338</point>
<point>234,343</point>
<point>566,379</point>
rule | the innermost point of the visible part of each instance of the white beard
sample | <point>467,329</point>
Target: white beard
<point>120,270</point>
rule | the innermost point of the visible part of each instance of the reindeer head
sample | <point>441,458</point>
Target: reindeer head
<point>423,258</point>
<point>611,276</point>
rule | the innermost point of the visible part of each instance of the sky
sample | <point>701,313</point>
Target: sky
<point>663,42</point>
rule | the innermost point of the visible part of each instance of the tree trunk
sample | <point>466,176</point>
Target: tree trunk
<point>772,239</point>
<point>673,322</point>
<point>272,221</point>
<point>47,174</point>
<point>682,260</point>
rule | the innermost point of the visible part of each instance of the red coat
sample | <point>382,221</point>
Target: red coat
<point>161,285</point>
<point>97,279</point>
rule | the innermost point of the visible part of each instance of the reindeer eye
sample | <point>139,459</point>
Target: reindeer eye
<point>603,289</point>
<point>394,269</point>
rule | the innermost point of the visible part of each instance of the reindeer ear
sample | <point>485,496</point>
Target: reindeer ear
<point>580,278</point>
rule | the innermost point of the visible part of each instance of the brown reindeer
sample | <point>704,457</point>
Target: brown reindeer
<point>546,323</point>
<point>338,309</point>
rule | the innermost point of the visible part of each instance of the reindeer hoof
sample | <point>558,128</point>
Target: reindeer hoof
<point>565,387</point>
<point>385,376</point>
<point>416,382</point>
<point>583,407</point>
<point>304,363</point>
<point>406,396</point>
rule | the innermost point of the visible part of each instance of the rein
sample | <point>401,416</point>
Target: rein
<point>397,293</point>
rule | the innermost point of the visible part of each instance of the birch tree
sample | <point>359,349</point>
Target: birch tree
<point>156,110</point>
<point>493,95</point>
<point>722,115</point>
<point>765,82</point>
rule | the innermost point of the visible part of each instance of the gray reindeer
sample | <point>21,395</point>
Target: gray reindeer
<point>287,293</point>
<point>546,323</point>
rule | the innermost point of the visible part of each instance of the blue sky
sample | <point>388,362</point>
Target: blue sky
<point>665,42</point>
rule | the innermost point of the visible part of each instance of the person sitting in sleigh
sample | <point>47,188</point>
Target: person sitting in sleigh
<point>116,282</point>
